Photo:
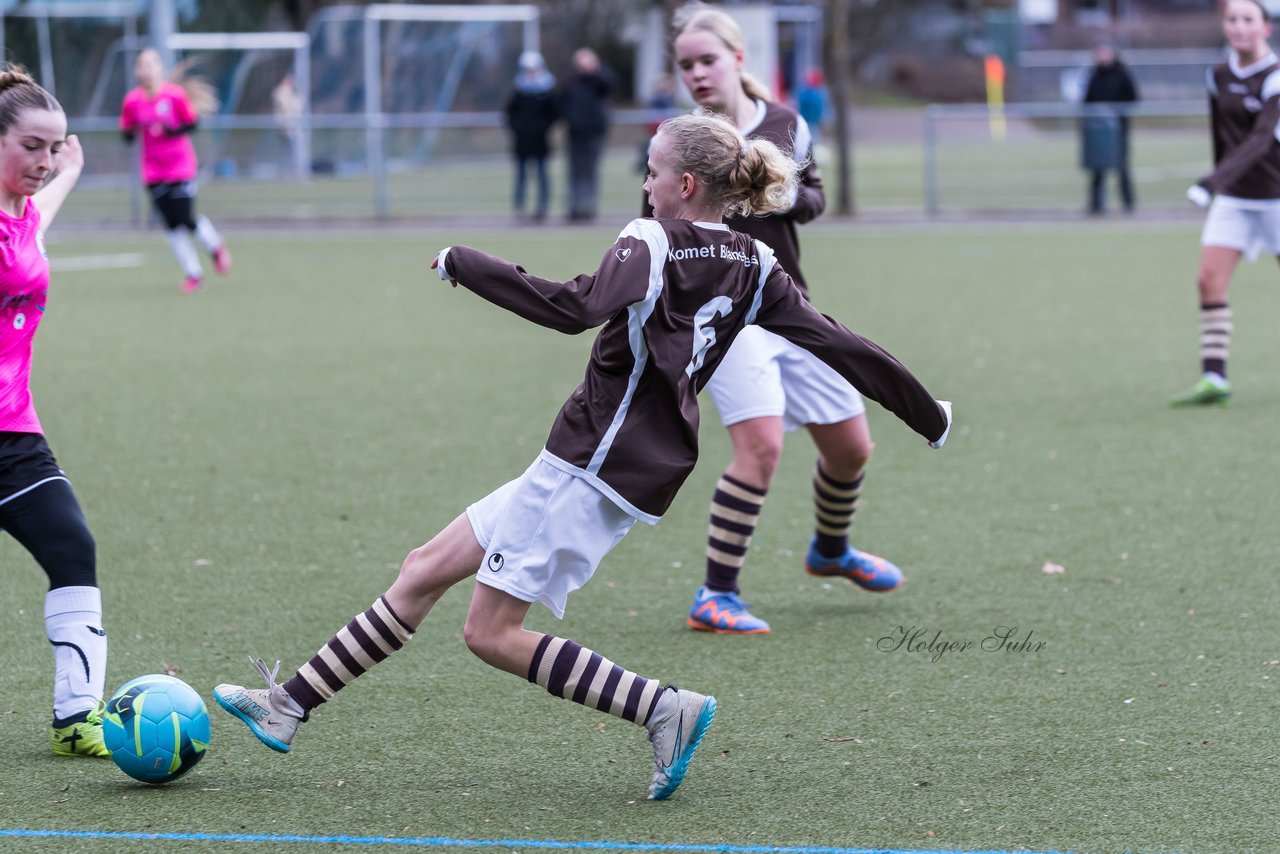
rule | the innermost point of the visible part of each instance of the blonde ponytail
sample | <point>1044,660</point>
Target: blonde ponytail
<point>742,177</point>
<point>200,92</point>
<point>766,177</point>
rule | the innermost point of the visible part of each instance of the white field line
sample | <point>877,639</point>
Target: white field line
<point>80,263</point>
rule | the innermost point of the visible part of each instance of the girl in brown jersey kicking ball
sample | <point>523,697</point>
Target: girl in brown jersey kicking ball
<point>672,293</point>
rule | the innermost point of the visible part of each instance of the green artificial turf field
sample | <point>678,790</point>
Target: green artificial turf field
<point>256,460</point>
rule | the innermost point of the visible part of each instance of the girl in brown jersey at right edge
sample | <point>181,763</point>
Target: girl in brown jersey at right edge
<point>673,293</point>
<point>1243,191</point>
<point>767,385</point>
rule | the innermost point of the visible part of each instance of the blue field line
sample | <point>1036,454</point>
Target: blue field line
<point>446,842</point>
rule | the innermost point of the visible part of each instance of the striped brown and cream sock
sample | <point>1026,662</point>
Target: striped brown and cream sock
<point>834,504</point>
<point>735,511</point>
<point>368,639</point>
<point>573,672</point>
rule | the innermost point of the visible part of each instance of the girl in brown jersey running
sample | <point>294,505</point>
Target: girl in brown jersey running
<point>767,385</point>
<point>672,294</point>
<point>1243,191</point>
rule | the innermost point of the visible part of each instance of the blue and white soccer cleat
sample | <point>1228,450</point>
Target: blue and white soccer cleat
<point>269,712</point>
<point>675,729</point>
<point>868,571</point>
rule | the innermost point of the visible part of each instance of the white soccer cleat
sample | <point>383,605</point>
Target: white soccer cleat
<point>675,728</point>
<point>270,713</point>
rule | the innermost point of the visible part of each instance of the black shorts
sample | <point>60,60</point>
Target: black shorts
<point>175,201</point>
<point>25,462</point>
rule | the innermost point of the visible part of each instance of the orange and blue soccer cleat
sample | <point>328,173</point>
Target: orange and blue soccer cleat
<point>724,614</point>
<point>864,569</point>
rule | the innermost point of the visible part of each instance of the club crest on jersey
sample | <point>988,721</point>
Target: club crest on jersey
<point>19,320</point>
<point>1252,104</point>
<point>623,254</point>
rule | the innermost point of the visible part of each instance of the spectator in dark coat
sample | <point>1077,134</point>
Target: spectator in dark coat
<point>584,105</point>
<point>531,111</point>
<point>1106,136</point>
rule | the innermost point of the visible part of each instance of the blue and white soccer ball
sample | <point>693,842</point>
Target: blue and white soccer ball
<point>156,727</point>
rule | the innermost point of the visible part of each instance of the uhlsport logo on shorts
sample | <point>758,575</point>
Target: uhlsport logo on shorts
<point>496,562</point>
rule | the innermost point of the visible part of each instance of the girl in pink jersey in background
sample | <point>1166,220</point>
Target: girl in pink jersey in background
<point>39,164</point>
<point>161,113</point>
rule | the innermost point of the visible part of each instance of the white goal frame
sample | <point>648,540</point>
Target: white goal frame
<point>125,11</point>
<point>372,18</point>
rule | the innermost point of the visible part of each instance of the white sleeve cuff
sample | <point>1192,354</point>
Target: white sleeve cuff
<point>946,409</point>
<point>1199,196</point>
<point>441,260</point>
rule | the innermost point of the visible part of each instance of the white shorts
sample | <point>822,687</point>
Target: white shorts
<point>1250,226</point>
<point>544,534</point>
<point>765,374</point>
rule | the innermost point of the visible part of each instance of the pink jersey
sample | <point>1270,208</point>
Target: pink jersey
<point>24,286</point>
<point>166,156</point>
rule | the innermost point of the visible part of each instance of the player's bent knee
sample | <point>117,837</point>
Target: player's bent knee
<point>761,459</point>
<point>483,639</point>
<point>859,457</point>
<point>420,571</point>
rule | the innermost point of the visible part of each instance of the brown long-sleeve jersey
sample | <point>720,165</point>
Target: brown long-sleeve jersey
<point>1244,111</point>
<point>672,296</point>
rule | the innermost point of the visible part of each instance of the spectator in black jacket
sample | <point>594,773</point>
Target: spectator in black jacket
<point>531,111</point>
<point>584,105</point>
<point>1106,134</point>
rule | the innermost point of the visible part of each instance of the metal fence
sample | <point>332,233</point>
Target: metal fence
<point>1028,157</point>
<point>945,160</point>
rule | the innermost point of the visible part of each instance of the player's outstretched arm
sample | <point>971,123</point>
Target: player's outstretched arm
<point>581,303</point>
<point>50,197</point>
<point>866,365</point>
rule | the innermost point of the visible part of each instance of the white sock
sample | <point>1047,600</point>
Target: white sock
<point>73,623</point>
<point>184,251</point>
<point>208,235</point>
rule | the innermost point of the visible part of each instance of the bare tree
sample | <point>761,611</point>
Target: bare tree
<point>854,30</point>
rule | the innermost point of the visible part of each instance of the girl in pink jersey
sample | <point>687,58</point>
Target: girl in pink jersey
<point>767,385</point>
<point>161,113</point>
<point>672,293</point>
<point>39,164</point>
